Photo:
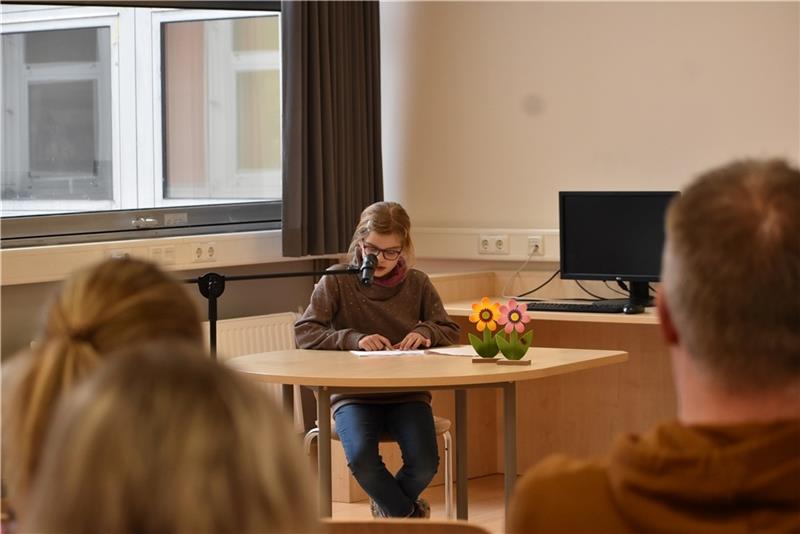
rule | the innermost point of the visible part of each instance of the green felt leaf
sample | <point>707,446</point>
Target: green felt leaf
<point>485,348</point>
<point>514,348</point>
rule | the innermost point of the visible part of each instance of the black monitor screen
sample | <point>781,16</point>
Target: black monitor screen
<point>612,235</point>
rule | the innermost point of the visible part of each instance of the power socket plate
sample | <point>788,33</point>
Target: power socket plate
<point>535,245</point>
<point>493,244</point>
<point>204,253</point>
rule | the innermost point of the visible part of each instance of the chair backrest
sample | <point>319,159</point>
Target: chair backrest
<point>399,526</point>
<point>258,333</point>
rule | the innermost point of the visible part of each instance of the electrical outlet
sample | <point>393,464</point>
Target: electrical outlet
<point>535,245</point>
<point>204,253</point>
<point>493,244</point>
<point>162,255</point>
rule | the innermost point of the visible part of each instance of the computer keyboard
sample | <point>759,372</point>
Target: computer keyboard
<point>591,307</point>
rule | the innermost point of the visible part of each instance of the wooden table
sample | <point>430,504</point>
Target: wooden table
<point>582,414</point>
<point>334,372</point>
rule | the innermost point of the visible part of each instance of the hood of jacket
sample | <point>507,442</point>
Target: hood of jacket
<point>710,478</point>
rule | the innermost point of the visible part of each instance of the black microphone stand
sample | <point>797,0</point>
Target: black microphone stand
<point>212,285</point>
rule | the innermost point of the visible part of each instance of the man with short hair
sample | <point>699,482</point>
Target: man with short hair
<point>729,307</point>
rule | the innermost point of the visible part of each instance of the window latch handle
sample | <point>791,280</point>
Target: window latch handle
<point>145,222</point>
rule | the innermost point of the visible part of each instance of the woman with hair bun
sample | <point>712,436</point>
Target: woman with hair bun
<point>162,440</point>
<point>114,304</point>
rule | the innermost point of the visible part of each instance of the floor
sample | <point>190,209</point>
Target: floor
<point>486,505</point>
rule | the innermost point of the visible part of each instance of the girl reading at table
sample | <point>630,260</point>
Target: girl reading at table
<point>401,310</point>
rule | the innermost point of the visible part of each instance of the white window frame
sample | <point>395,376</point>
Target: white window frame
<point>121,76</point>
<point>134,149</point>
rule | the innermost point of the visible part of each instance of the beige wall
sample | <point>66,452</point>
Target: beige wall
<point>490,108</point>
<point>22,305</point>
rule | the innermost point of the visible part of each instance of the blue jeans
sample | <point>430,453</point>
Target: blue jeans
<point>410,424</point>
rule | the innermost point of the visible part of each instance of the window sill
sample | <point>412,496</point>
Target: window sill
<point>29,265</point>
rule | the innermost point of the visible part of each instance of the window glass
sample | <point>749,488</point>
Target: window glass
<point>256,34</point>
<point>61,46</point>
<point>222,109</point>
<point>185,106</point>
<point>258,132</point>
<point>58,121</point>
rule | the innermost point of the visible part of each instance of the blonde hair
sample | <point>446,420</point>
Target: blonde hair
<point>731,273</point>
<point>383,218</point>
<point>163,440</point>
<point>113,304</point>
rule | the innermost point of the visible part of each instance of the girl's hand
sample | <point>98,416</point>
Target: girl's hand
<point>413,341</point>
<point>374,342</point>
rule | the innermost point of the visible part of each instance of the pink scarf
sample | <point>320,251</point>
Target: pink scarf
<point>395,276</point>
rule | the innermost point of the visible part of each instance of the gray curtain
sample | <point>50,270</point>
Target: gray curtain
<point>332,165</point>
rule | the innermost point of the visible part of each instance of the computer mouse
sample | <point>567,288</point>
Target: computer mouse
<point>630,308</point>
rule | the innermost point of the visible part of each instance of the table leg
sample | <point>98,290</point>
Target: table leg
<point>461,454</point>
<point>510,439</point>
<point>324,451</point>
<point>287,396</point>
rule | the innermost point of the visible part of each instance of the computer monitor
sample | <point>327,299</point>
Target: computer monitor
<point>613,235</point>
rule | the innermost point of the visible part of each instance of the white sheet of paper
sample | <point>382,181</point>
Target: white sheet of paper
<point>374,353</point>
<point>457,350</point>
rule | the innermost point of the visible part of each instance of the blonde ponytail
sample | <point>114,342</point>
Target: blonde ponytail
<point>115,304</point>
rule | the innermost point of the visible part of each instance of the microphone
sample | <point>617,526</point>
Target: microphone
<point>367,270</point>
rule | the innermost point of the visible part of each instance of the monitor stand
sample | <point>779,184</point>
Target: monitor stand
<point>639,296</point>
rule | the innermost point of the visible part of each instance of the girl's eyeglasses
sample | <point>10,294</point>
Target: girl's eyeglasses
<point>388,253</point>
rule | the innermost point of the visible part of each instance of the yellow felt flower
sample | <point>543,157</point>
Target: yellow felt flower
<point>485,314</point>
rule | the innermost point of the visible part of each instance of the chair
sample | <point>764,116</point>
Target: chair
<point>442,427</point>
<point>399,526</point>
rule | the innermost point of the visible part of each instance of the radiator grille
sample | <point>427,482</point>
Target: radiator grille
<point>248,335</point>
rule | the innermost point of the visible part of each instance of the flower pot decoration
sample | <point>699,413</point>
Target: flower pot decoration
<point>512,340</point>
<point>485,316</point>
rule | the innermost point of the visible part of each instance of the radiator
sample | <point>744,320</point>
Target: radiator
<point>259,333</point>
<point>248,335</point>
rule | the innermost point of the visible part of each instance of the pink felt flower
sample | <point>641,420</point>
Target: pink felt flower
<point>514,316</point>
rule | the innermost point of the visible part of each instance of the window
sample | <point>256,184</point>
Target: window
<point>119,121</point>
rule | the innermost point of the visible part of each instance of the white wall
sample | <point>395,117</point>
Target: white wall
<point>490,108</point>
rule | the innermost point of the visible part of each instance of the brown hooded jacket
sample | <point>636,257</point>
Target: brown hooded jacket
<point>742,478</point>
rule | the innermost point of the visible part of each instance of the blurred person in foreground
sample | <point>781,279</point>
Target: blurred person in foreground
<point>163,440</point>
<point>729,308</point>
<point>110,305</point>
